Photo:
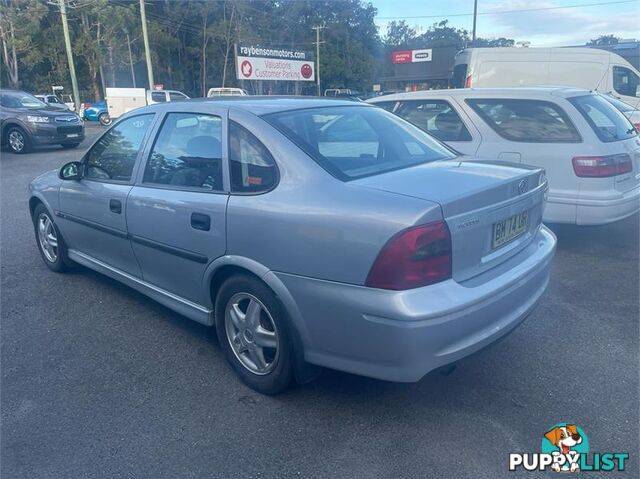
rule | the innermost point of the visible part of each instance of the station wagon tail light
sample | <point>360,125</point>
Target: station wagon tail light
<point>602,166</point>
<point>415,257</point>
<point>637,127</point>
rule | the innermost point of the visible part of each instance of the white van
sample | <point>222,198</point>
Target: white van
<point>587,68</point>
<point>122,100</point>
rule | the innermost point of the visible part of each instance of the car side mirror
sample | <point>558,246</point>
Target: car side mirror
<point>71,171</point>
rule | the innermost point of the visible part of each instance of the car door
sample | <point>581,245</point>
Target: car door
<point>93,210</point>
<point>176,211</point>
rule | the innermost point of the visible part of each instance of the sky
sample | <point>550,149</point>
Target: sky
<point>563,22</point>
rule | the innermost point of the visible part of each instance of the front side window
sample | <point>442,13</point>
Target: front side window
<point>435,117</point>
<point>187,152</point>
<point>532,121</point>
<point>112,158</point>
<point>607,122</point>
<point>626,82</point>
<point>252,167</point>
<point>176,96</point>
<point>158,96</point>
<point>356,141</point>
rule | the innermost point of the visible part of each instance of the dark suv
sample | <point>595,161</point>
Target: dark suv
<point>26,121</point>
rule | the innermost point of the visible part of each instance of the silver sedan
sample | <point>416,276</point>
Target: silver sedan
<point>310,232</point>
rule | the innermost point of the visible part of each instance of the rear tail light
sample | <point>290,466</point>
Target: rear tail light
<point>414,257</point>
<point>467,82</point>
<point>637,127</point>
<point>602,166</point>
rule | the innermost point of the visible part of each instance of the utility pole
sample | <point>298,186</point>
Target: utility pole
<point>475,15</point>
<point>147,51</point>
<point>133,73</point>
<point>317,29</point>
<point>67,44</point>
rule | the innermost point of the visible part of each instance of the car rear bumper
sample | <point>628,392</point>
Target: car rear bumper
<point>402,335</point>
<point>593,210</point>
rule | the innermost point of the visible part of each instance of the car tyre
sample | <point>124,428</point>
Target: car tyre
<point>69,145</point>
<point>250,321</point>
<point>18,140</point>
<point>50,243</point>
<point>104,119</point>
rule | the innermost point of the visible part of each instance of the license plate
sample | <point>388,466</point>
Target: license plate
<point>72,135</point>
<point>508,229</point>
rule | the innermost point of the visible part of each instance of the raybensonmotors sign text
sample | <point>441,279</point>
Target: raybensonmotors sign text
<point>256,68</point>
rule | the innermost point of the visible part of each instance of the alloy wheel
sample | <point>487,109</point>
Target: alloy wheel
<point>47,238</point>
<point>16,141</point>
<point>252,333</point>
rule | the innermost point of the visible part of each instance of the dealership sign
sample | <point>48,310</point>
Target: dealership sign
<point>411,56</point>
<point>261,63</point>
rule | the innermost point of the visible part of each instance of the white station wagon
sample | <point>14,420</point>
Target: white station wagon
<point>590,151</point>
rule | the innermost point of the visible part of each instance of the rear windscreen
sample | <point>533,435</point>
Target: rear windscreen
<point>355,141</point>
<point>607,122</point>
<point>459,75</point>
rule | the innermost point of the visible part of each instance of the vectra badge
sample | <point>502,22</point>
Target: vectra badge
<point>522,187</point>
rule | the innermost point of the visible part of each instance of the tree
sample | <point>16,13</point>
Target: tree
<point>399,34</point>
<point>494,42</point>
<point>604,40</point>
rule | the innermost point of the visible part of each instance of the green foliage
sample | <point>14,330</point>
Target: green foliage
<point>191,42</point>
<point>604,40</point>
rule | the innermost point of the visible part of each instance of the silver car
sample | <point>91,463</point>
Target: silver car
<point>310,232</point>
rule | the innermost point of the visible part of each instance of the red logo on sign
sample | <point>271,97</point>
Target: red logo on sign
<point>246,68</point>
<point>403,56</point>
<point>306,70</point>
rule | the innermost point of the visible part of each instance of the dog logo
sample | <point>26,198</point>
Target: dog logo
<point>565,440</point>
<point>565,448</point>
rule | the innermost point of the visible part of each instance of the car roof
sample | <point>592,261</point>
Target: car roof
<point>257,105</point>
<point>517,92</point>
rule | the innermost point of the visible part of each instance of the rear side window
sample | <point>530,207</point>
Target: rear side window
<point>253,169</point>
<point>435,117</point>
<point>187,152</point>
<point>625,82</point>
<point>158,96</point>
<point>530,121</point>
<point>356,141</point>
<point>608,123</point>
<point>387,105</point>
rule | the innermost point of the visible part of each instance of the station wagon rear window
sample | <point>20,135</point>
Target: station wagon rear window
<point>356,141</point>
<point>608,123</point>
<point>529,121</point>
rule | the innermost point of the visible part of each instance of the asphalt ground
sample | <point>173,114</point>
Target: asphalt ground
<point>99,381</point>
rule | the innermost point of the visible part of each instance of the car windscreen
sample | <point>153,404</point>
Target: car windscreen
<point>21,100</point>
<point>605,120</point>
<point>355,141</point>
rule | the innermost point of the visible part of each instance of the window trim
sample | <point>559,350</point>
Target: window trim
<point>136,164</point>
<point>152,144</point>
<point>472,103</point>
<point>275,163</point>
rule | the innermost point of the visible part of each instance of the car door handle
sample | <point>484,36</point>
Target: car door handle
<point>115,206</point>
<point>200,221</point>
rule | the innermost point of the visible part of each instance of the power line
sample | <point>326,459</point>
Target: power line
<point>502,12</point>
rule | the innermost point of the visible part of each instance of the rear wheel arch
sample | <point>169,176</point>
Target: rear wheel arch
<point>303,371</point>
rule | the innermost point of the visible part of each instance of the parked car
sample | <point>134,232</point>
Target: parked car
<point>26,121</point>
<point>632,114</point>
<point>53,101</point>
<point>590,151</point>
<point>122,100</point>
<point>162,96</point>
<point>588,68</point>
<point>96,111</point>
<point>226,91</point>
<point>309,231</point>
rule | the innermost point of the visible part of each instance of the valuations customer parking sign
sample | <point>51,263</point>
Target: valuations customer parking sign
<point>262,63</point>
